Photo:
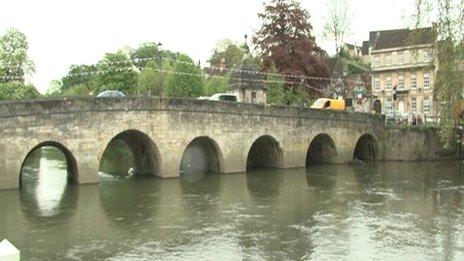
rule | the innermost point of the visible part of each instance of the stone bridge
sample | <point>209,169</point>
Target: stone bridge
<point>233,137</point>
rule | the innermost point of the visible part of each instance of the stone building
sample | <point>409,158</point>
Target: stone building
<point>402,63</point>
<point>248,82</point>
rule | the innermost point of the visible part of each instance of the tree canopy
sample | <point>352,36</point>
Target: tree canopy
<point>15,65</point>
<point>227,53</point>
<point>186,80</point>
<point>14,61</point>
<point>285,40</point>
<point>337,23</point>
<point>116,71</point>
<point>449,54</point>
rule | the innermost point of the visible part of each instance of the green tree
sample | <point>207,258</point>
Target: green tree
<point>77,90</point>
<point>227,53</point>
<point>151,80</point>
<point>449,54</point>
<point>146,50</point>
<point>276,90</point>
<point>116,71</point>
<point>79,75</point>
<point>16,90</point>
<point>186,79</point>
<point>14,61</point>
<point>216,85</point>
<point>54,89</point>
<point>296,96</point>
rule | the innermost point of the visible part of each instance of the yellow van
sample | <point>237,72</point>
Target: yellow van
<point>329,104</point>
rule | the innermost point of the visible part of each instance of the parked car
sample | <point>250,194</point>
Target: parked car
<point>111,93</point>
<point>221,97</point>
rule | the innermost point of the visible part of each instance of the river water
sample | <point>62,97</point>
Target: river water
<point>381,211</point>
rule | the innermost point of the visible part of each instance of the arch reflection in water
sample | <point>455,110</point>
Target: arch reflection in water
<point>322,149</point>
<point>366,148</point>
<point>130,203</point>
<point>323,177</point>
<point>44,179</point>
<point>265,152</point>
<point>265,184</point>
<point>130,153</point>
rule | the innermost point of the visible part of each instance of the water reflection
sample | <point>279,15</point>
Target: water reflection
<point>129,203</point>
<point>44,184</point>
<point>386,211</point>
<point>264,185</point>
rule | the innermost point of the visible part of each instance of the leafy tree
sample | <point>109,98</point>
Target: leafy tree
<point>296,96</point>
<point>16,90</point>
<point>14,61</point>
<point>337,23</point>
<point>77,90</point>
<point>449,54</point>
<point>286,41</point>
<point>54,89</point>
<point>116,71</point>
<point>186,79</point>
<point>146,50</point>
<point>216,85</point>
<point>227,54</point>
<point>276,89</point>
<point>79,75</point>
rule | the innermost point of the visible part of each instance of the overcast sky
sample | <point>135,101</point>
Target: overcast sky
<point>66,32</point>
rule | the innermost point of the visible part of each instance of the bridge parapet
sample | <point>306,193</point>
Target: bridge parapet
<point>92,104</point>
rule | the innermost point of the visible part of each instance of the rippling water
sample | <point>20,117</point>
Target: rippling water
<point>386,211</point>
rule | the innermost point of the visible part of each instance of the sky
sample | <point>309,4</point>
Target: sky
<point>65,32</point>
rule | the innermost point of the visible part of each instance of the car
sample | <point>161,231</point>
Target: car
<point>111,93</point>
<point>221,97</point>
<point>329,104</point>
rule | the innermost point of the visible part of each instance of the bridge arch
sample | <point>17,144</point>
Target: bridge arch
<point>265,152</point>
<point>322,149</point>
<point>202,154</point>
<point>71,163</point>
<point>146,157</point>
<point>366,148</point>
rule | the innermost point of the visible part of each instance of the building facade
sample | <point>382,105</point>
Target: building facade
<point>402,63</point>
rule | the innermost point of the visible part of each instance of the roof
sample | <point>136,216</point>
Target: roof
<point>247,76</point>
<point>401,38</point>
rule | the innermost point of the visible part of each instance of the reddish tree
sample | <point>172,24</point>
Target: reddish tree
<point>285,40</point>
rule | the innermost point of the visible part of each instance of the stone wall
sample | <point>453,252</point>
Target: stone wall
<point>415,145</point>
<point>83,127</point>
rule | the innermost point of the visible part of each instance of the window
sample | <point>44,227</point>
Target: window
<point>406,56</point>
<point>376,83</point>
<point>426,104</point>
<point>376,61</point>
<point>413,104</point>
<point>253,97</point>
<point>425,56</point>
<point>426,81</point>
<point>389,104</point>
<point>389,82</point>
<point>400,82</point>
<point>400,57</point>
<point>388,60</point>
<point>413,81</point>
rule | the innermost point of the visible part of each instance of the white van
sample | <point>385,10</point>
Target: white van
<point>221,97</point>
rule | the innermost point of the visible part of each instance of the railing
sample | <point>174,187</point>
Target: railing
<point>411,119</point>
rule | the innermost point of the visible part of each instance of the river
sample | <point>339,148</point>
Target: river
<point>381,211</point>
